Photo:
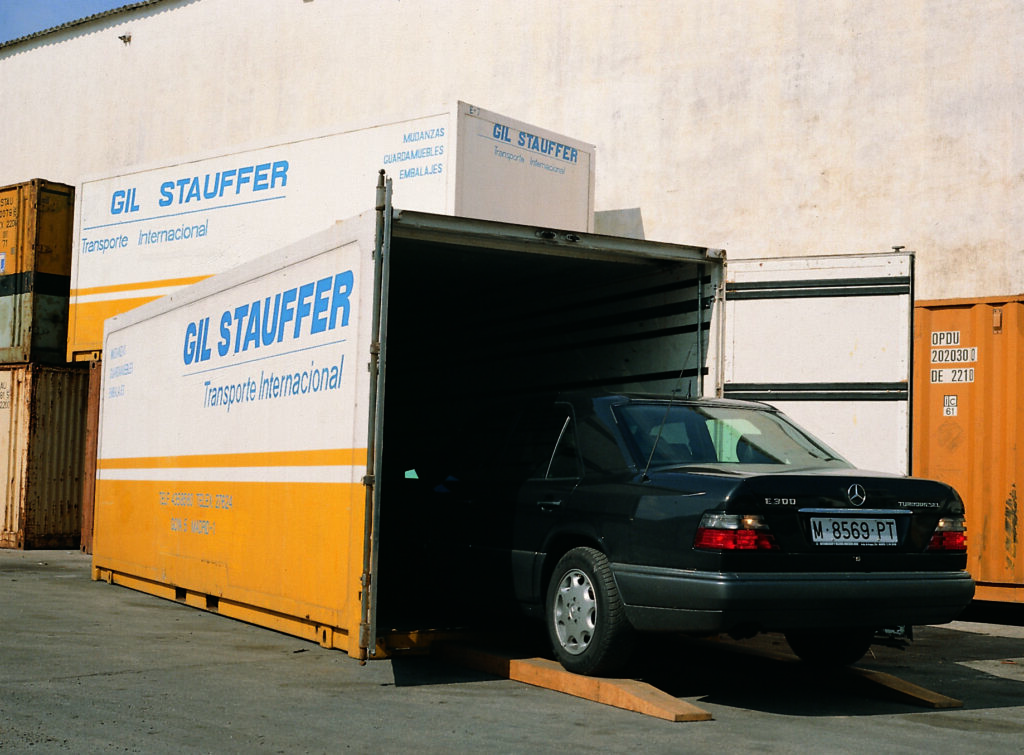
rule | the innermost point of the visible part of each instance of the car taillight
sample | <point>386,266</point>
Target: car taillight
<point>950,535</point>
<point>734,532</point>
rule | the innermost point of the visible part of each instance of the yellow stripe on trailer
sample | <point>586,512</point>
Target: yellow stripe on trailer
<point>90,307</point>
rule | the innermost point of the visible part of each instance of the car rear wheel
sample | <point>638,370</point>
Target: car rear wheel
<point>830,647</point>
<point>586,621</point>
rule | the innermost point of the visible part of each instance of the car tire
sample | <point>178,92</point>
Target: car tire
<point>586,620</point>
<point>830,647</point>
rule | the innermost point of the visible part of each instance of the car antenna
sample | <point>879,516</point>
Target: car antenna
<point>668,407</point>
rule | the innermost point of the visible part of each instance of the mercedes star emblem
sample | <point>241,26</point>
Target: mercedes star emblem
<point>856,494</point>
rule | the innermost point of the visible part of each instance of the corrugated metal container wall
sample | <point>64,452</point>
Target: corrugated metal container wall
<point>42,439</point>
<point>36,229</point>
<point>92,431</point>
<point>968,418</point>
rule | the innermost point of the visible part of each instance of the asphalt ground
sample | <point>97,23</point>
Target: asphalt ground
<point>91,667</point>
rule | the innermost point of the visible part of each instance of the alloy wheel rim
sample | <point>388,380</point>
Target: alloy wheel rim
<point>575,612</point>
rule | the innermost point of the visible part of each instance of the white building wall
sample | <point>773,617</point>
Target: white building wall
<point>766,127</point>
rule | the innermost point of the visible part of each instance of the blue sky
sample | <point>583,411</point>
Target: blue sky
<point>19,18</point>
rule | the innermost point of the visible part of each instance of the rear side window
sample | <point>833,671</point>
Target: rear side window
<point>547,445</point>
<point>600,452</point>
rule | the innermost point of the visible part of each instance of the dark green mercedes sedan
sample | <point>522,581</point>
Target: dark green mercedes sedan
<point>655,514</point>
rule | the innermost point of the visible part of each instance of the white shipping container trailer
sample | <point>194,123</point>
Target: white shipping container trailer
<point>257,429</point>
<point>147,232</point>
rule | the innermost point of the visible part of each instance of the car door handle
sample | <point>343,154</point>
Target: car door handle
<point>548,505</point>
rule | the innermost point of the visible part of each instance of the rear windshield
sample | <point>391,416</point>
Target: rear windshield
<point>666,434</point>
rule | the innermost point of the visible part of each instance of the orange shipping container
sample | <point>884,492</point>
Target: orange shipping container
<point>968,415</point>
<point>42,436</point>
<point>35,270</point>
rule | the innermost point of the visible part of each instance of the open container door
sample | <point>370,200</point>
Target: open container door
<point>828,340</point>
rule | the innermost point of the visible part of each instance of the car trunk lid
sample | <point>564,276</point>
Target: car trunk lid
<point>851,520</point>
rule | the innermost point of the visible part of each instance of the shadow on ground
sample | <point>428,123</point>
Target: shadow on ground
<point>761,674</point>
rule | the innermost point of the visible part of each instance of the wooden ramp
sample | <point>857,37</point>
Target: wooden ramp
<point>628,694</point>
<point>878,681</point>
<point>904,690</point>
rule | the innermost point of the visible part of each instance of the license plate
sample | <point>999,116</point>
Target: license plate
<point>839,531</point>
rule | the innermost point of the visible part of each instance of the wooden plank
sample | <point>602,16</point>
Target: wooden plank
<point>627,694</point>
<point>903,690</point>
<point>907,691</point>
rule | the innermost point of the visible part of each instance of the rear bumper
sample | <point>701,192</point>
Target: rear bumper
<point>710,602</point>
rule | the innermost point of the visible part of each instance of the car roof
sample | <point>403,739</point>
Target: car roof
<point>624,397</point>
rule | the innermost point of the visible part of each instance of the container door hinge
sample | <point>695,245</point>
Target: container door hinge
<point>374,362</point>
<point>364,627</point>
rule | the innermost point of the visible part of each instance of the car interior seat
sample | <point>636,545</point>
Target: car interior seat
<point>748,453</point>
